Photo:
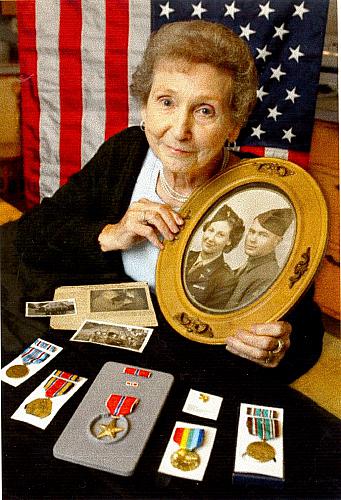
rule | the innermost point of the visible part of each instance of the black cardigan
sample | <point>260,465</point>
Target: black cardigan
<point>57,242</point>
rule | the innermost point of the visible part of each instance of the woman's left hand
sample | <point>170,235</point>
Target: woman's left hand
<point>264,344</point>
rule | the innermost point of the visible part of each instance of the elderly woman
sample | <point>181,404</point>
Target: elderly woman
<point>209,279</point>
<point>197,86</point>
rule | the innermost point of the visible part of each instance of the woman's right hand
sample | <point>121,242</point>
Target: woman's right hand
<point>144,219</point>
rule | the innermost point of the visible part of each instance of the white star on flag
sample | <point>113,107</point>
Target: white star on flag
<point>231,10</point>
<point>295,53</point>
<point>261,93</point>
<point>166,10</point>
<point>198,10</point>
<point>257,131</point>
<point>246,31</point>
<point>273,113</point>
<point>280,31</point>
<point>277,72</point>
<point>291,95</point>
<point>265,10</point>
<point>300,10</point>
<point>263,53</point>
<point>288,134</point>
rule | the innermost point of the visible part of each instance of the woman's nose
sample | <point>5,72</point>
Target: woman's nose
<point>181,125</point>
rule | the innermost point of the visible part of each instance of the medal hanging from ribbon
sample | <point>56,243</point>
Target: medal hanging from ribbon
<point>186,458</point>
<point>31,355</point>
<point>263,425</point>
<point>116,426</point>
<point>58,384</point>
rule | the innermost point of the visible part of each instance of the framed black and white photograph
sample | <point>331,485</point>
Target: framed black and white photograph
<point>248,250</point>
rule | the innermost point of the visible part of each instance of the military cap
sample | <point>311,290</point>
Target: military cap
<point>276,220</point>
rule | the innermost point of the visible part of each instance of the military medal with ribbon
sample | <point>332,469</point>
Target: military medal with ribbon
<point>186,458</point>
<point>264,424</point>
<point>113,426</point>
<point>57,385</point>
<point>31,355</point>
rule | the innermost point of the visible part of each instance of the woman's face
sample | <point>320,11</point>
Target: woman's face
<point>216,237</point>
<point>187,116</point>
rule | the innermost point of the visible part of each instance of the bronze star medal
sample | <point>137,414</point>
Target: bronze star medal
<point>110,429</point>
<point>113,426</point>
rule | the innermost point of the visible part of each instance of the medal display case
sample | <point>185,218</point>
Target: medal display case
<point>111,426</point>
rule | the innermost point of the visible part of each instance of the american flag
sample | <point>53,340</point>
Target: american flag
<point>77,56</point>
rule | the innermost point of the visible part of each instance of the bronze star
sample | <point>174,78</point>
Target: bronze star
<point>109,429</point>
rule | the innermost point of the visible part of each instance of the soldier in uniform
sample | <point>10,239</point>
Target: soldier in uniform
<point>261,268</point>
<point>209,279</point>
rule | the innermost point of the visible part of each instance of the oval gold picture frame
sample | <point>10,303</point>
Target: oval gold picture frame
<point>253,187</point>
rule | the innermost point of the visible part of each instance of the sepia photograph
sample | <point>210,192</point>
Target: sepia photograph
<point>120,303</point>
<point>122,299</point>
<point>247,250</point>
<point>110,334</point>
<point>238,250</point>
<point>51,308</point>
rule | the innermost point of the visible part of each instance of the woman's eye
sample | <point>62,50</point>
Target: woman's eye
<point>205,111</point>
<point>165,101</point>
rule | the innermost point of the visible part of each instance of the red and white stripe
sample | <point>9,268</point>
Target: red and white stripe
<point>74,64</point>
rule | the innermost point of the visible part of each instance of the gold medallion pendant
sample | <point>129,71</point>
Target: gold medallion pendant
<point>185,460</point>
<point>17,371</point>
<point>261,451</point>
<point>40,407</point>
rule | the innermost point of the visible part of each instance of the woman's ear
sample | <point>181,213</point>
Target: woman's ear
<point>233,133</point>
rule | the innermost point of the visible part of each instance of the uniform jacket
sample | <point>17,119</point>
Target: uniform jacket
<point>212,284</point>
<point>253,279</point>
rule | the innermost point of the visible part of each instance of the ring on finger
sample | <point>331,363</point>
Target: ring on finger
<point>279,346</point>
<point>144,219</point>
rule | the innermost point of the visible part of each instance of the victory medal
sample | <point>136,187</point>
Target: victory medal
<point>186,458</point>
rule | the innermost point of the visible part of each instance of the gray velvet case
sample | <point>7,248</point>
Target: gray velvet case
<point>78,442</point>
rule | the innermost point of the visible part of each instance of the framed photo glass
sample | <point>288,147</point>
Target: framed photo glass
<point>252,241</point>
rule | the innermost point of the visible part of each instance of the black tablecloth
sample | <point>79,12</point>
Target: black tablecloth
<point>311,435</point>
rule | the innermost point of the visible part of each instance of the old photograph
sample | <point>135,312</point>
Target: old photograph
<point>121,299</point>
<point>51,308</point>
<point>238,250</point>
<point>113,335</point>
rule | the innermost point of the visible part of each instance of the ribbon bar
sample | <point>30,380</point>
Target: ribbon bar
<point>129,370</point>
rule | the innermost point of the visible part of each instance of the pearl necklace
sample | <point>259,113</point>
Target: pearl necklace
<point>178,196</point>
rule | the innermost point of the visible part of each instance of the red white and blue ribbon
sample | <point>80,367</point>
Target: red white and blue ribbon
<point>121,405</point>
<point>138,372</point>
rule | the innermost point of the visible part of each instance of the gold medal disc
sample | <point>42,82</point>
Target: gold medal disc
<point>261,451</point>
<point>185,460</point>
<point>17,371</point>
<point>40,407</point>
